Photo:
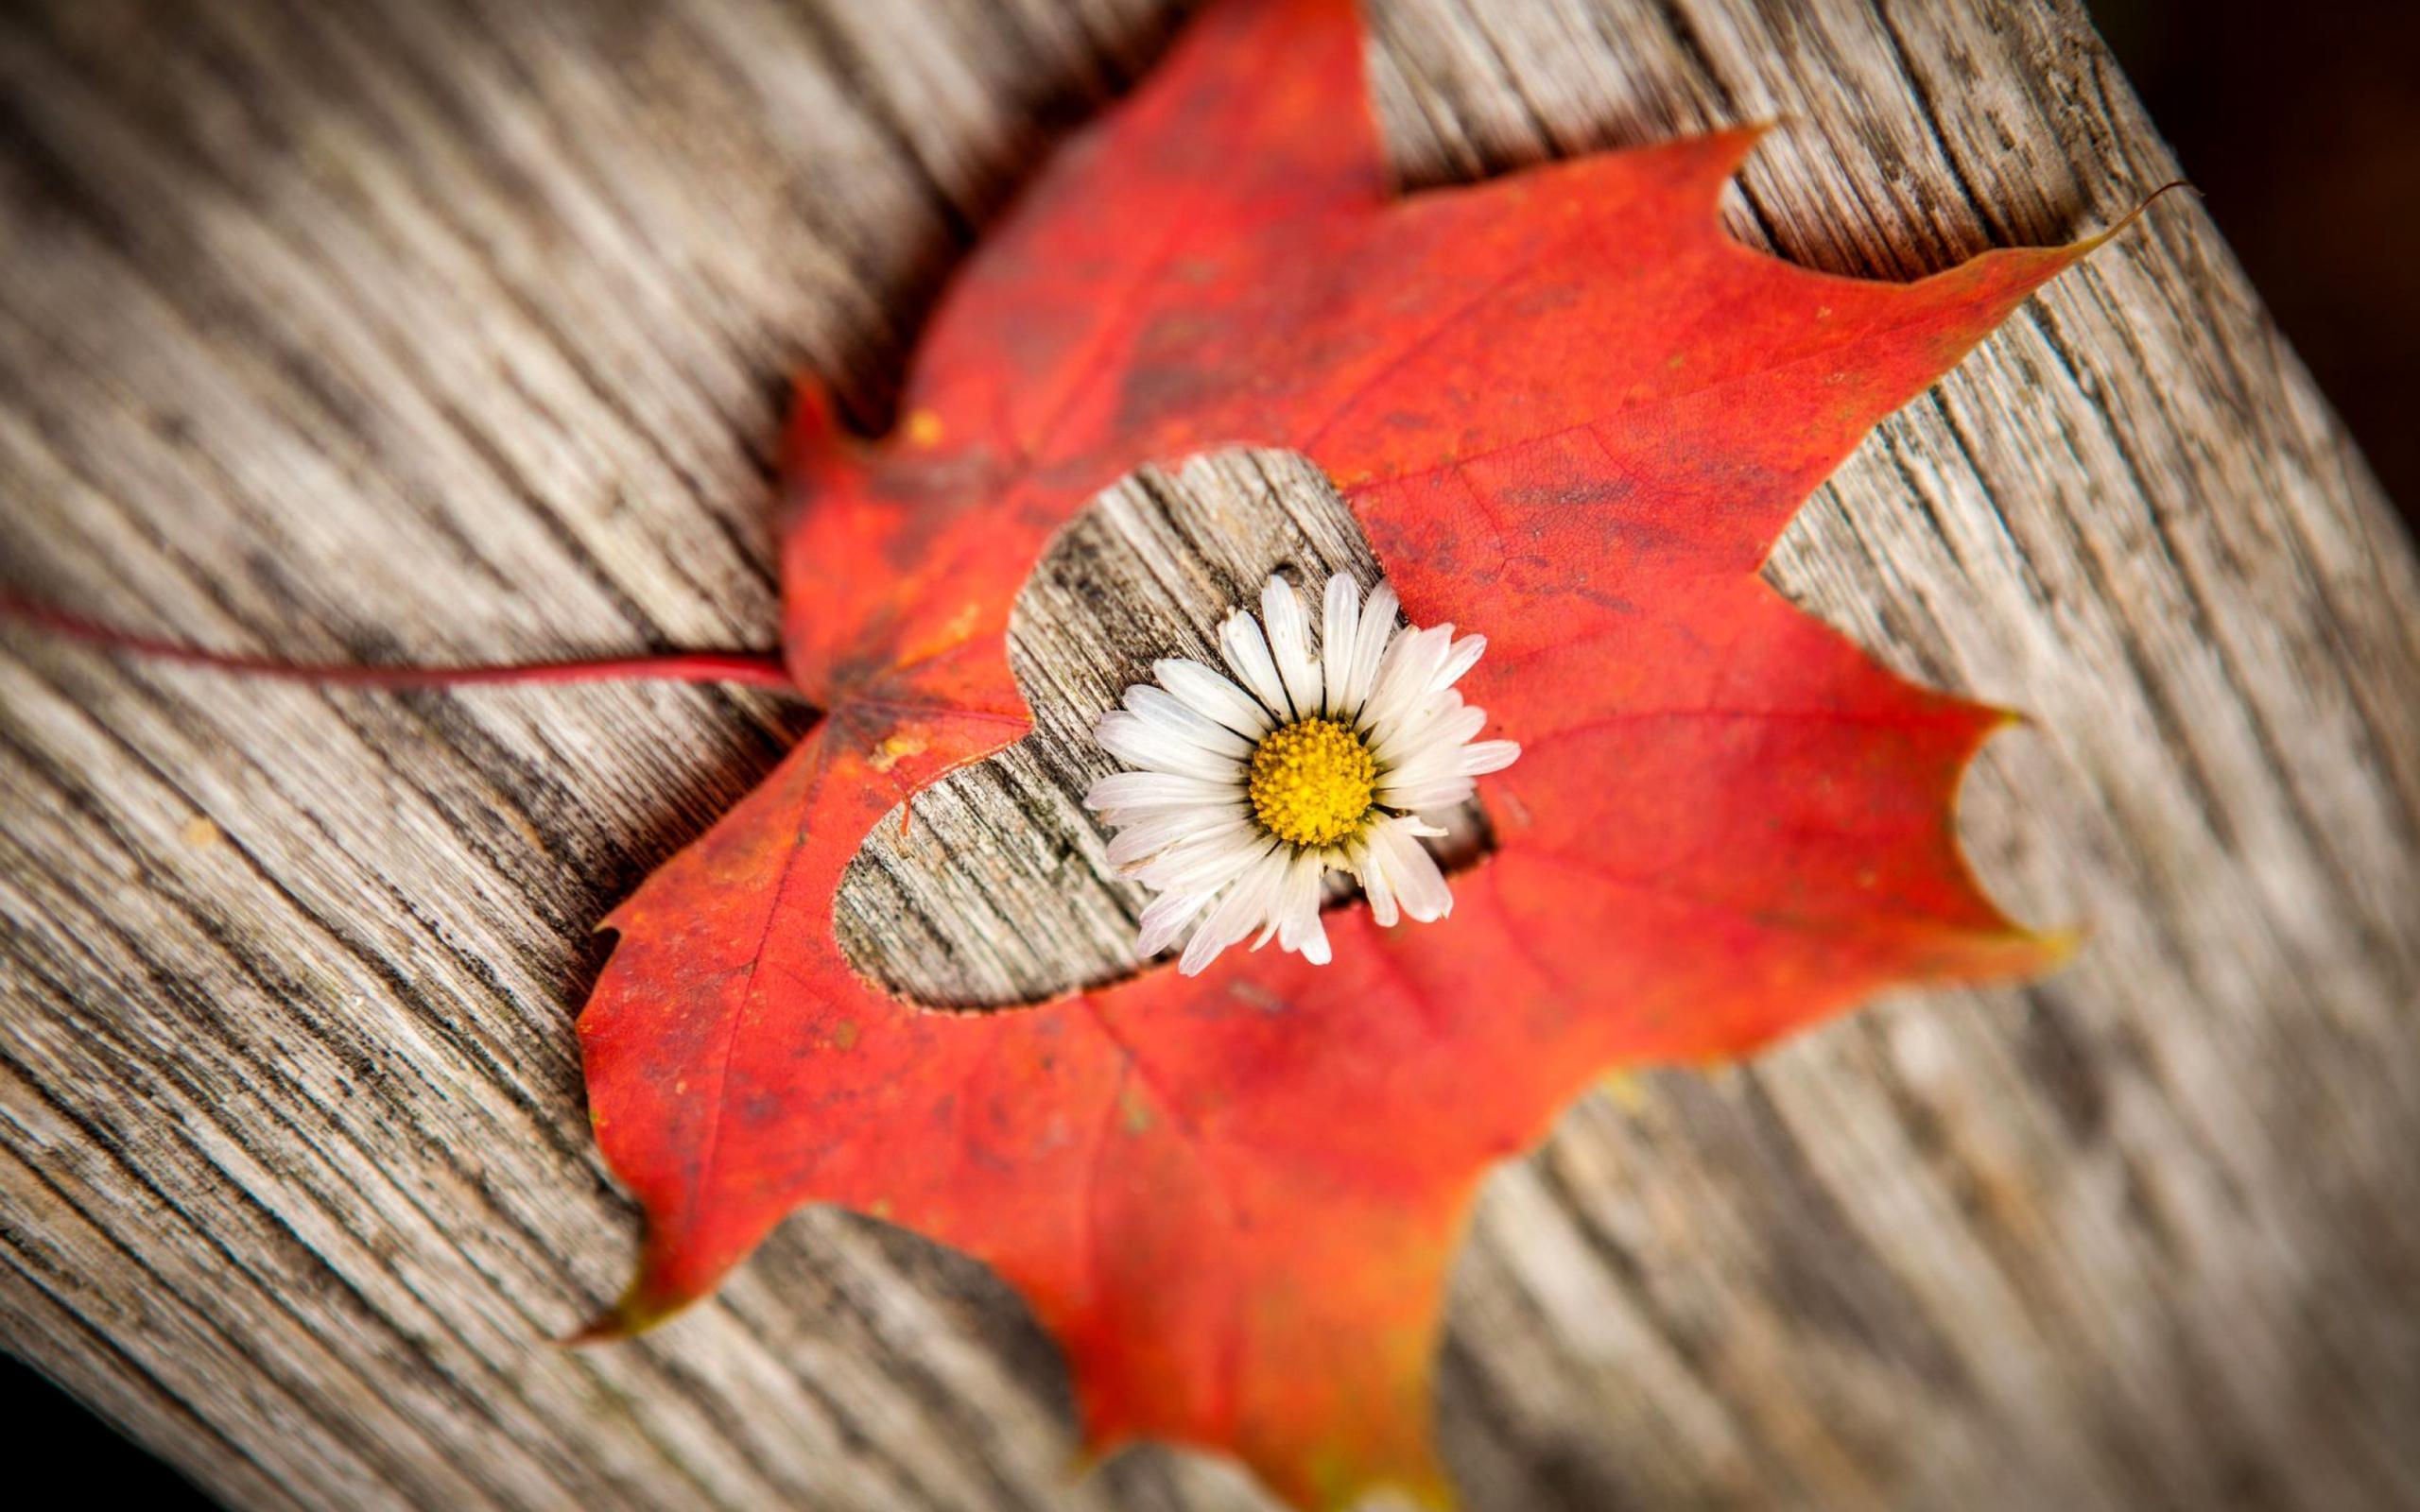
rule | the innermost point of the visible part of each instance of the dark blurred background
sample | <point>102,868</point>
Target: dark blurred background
<point>2300,123</point>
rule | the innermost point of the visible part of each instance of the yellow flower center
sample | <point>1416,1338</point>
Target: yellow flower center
<point>1311,782</point>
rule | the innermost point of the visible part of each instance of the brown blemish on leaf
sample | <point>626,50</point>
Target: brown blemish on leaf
<point>896,749</point>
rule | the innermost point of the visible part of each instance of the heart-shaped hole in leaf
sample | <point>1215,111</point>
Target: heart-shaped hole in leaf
<point>997,891</point>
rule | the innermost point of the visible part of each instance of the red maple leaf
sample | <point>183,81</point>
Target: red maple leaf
<point>1569,413</point>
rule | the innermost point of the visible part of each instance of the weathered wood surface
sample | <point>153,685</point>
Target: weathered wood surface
<point>439,332</point>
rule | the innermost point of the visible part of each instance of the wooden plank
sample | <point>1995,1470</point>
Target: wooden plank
<point>443,332</point>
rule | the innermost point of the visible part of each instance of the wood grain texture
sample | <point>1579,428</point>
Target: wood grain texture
<point>446,332</point>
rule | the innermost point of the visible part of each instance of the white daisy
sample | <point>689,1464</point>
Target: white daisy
<point>1322,753</point>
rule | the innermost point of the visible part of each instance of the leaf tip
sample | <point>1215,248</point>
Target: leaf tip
<point>813,421</point>
<point>1726,149</point>
<point>2100,239</point>
<point>2056,948</point>
<point>1624,1088</point>
<point>637,1310</point>
<point>1085,1457</point>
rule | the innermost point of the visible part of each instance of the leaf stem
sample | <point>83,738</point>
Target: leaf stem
<point>750,669</point>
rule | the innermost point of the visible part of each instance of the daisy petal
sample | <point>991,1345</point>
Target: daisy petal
<point>1372,638</point>
<point>1419,886</point>
<point>1340,632</point>
<point>1485,756</point>
<point>1247,655</point>
<point>1464,657</point>
<point>1374,885</point>
<point>1138,789</point>
<point>1206,693</point>
<point>1239,911</point>
<point>1165,918</point>
<point>1299,927</point>
<point>1403,675</point>
<point>1314,947</point>
<point>1430,797</point>
<point>1434,733</point>
<point>1124,735</point>
<point>1206,865</point>
<point>1156,707</point>
<point>1290,643</point>
<point>1146,838</point>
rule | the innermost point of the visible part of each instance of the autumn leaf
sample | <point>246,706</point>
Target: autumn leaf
<point>1569,413</point>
